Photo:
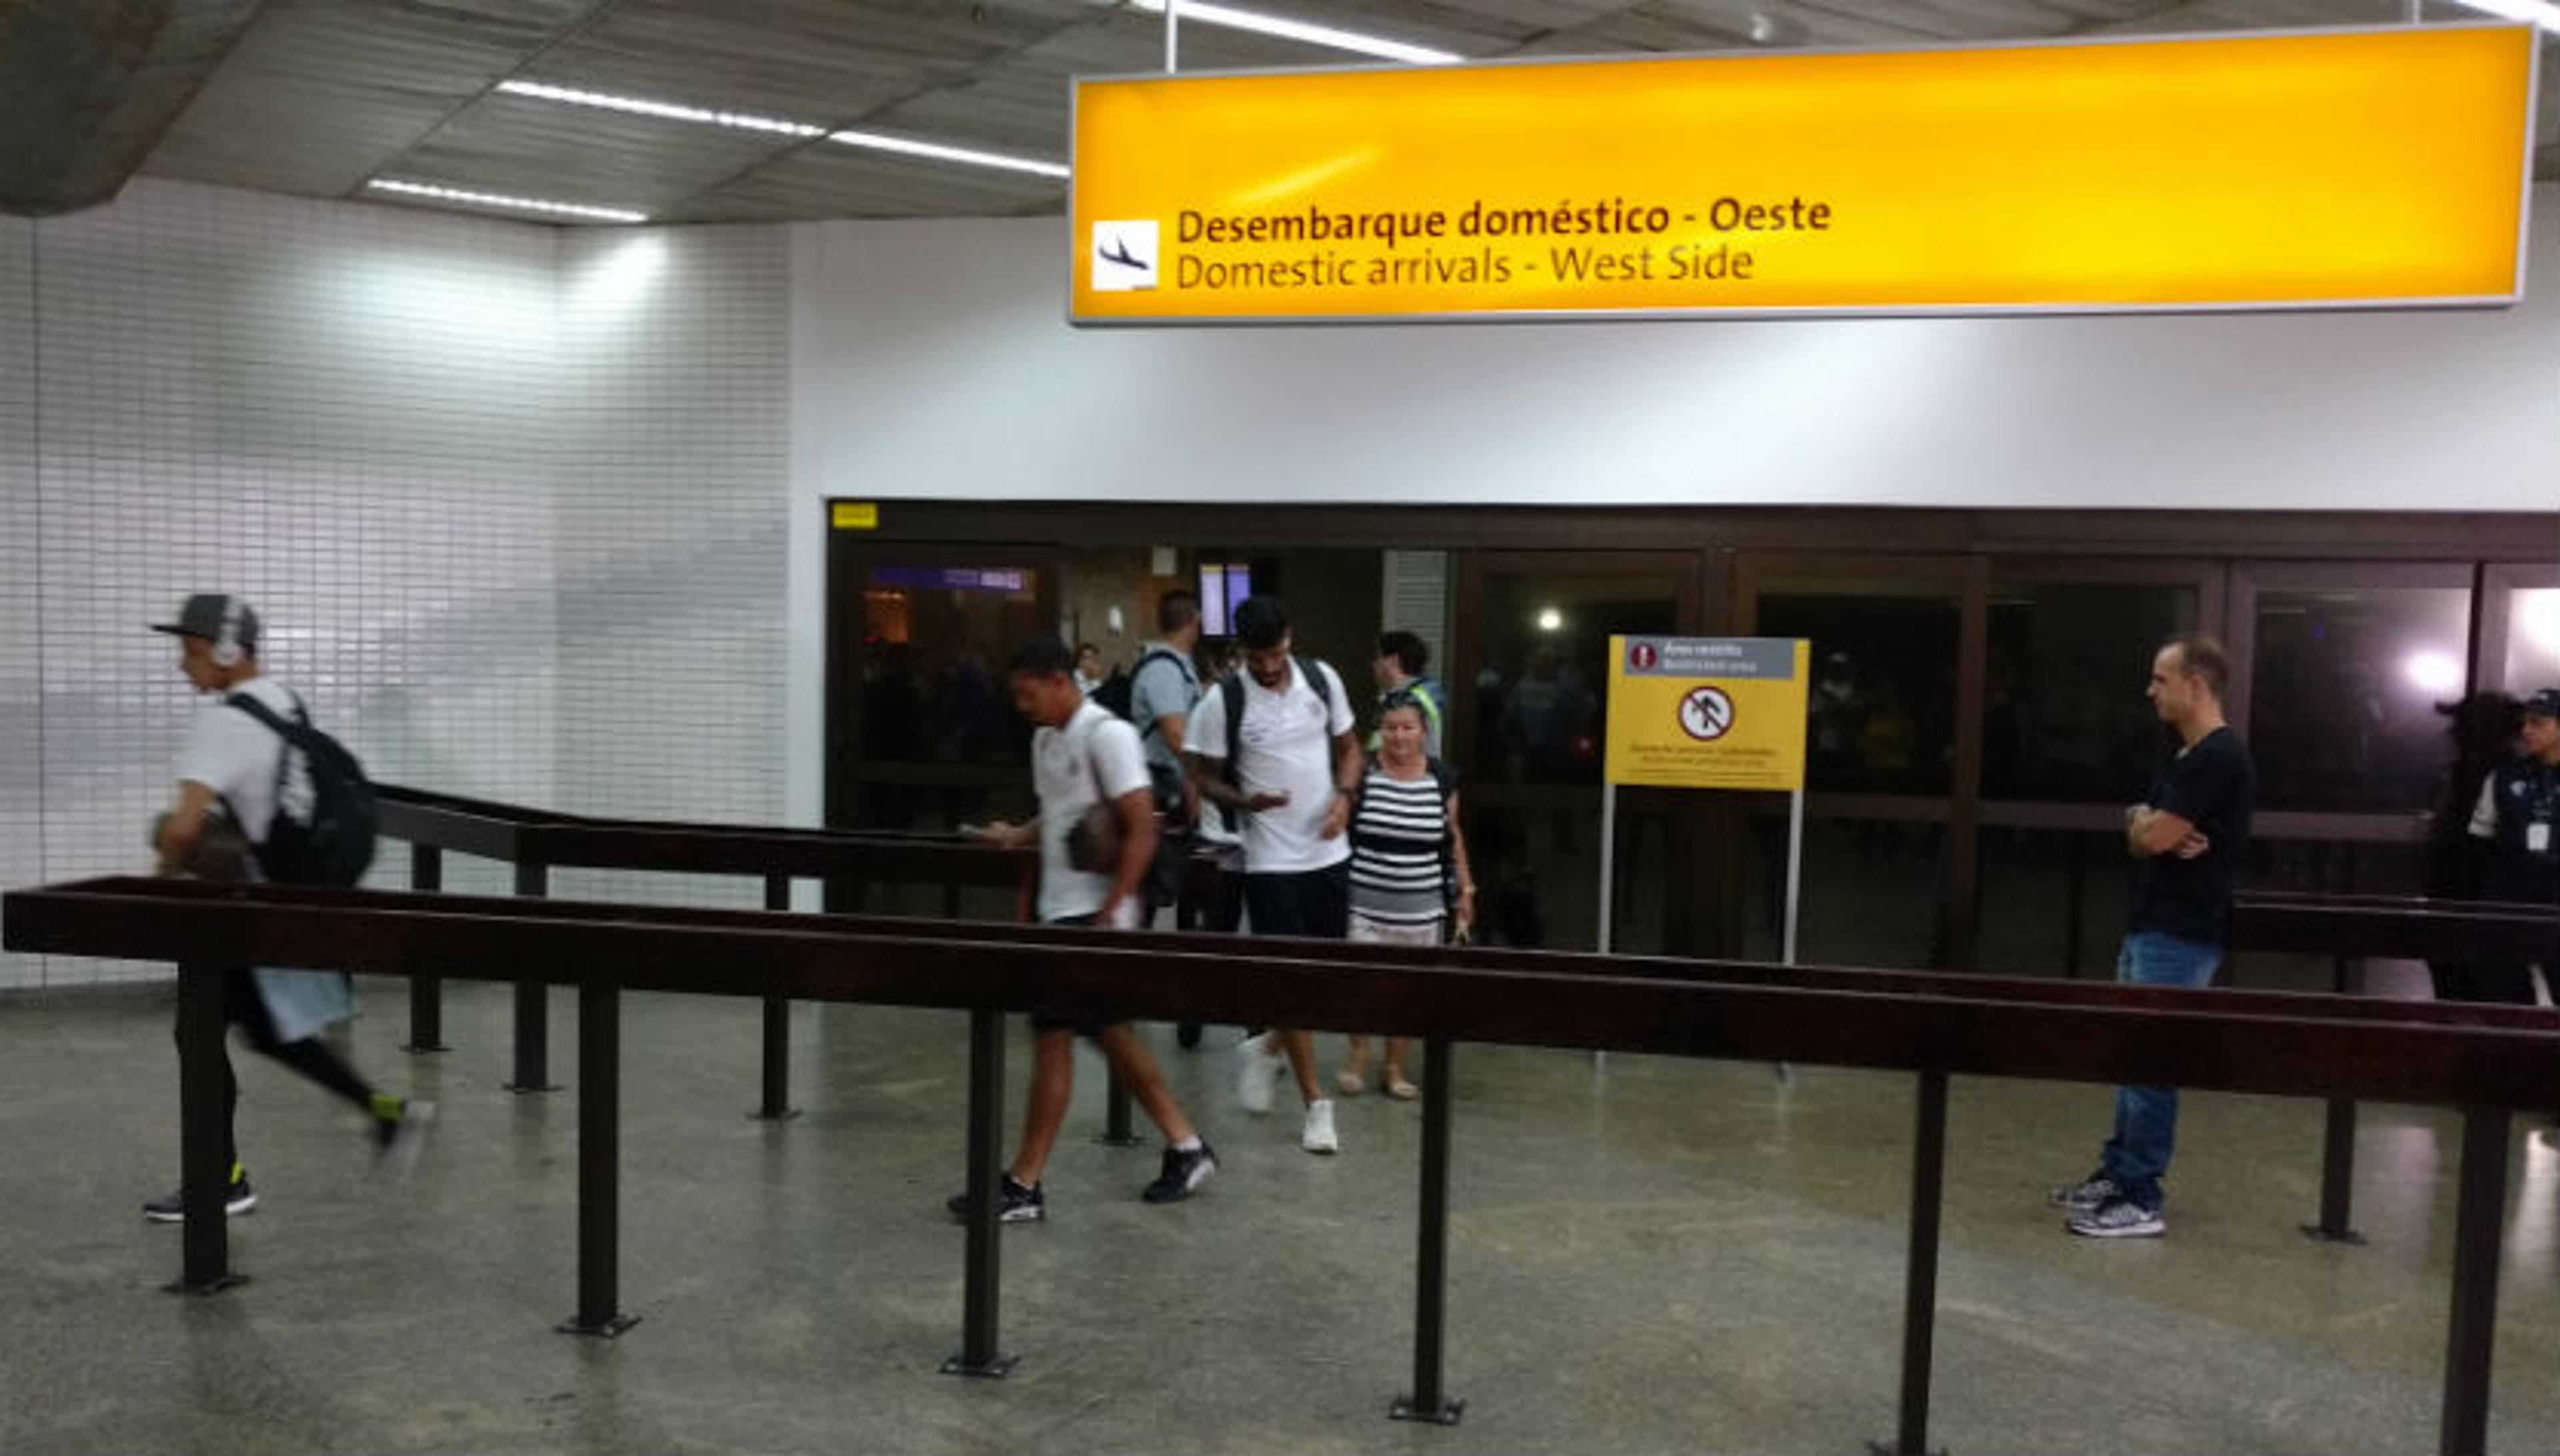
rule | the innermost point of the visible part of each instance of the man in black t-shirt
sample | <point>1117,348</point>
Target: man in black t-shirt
<point>2187,836</point>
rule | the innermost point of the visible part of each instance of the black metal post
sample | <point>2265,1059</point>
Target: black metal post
<point>1116,1131</point>
<point>2337,1138</point>
<point>982,1268</point>
<point>425,993</point>
<point>1920,1270</point>
<point>532,1003</point>
<point>600,1138</point>
<point>776,1105</point>
<point>1429,1402</point>
<point>204,1174</point>
<point>2479,1219</point>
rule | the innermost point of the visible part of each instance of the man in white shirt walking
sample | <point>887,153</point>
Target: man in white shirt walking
<point>234,779</point>
<point>1083,757</point>
<point>1275,742</point>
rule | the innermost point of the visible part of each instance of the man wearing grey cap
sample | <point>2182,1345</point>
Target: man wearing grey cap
<point>237,773</point>
<point>2514,819</point>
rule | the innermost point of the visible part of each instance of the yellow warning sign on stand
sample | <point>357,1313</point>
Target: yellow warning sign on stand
<point>1708,713</point>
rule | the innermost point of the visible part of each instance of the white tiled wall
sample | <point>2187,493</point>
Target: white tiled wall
<point>670,535</point>
<point>493,490</point>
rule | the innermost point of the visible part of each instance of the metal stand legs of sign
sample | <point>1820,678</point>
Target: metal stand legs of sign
<point>1609,883</point>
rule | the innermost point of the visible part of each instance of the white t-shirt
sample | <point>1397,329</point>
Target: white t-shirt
<point>1065,765</point>
<point>1286,746</point>
<point>235,756</point>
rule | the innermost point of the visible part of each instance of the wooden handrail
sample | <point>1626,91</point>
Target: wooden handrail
<point>2328,1048</point>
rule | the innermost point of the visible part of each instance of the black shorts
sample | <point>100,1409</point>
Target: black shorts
<point>1082,1026</point>
<point>1316,903</point>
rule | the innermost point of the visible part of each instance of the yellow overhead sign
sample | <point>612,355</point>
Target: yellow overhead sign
<point>1708,713</point>
<point>2306,169</point>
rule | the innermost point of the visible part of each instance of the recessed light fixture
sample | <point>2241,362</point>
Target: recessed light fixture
<point>668,110</point>
<point>1299,30</point>
<point>2534,12</point>
<point>908,146</point>
<point>517,204</point>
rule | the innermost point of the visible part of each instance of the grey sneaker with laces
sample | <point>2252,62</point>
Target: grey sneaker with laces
<point>2085,1195</point>
<point>2119,1218</point>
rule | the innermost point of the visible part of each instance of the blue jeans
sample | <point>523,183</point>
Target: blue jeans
<point>2146,1117</point>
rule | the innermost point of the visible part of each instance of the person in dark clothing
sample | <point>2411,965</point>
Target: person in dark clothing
<point>2481,728</point>
<point>2189,838</point>
<point>2513,825</point>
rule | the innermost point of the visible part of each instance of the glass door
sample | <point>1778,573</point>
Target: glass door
<point>2068,740</point>
<point>2346,678</point>
<point>1527,721</point>
<point>921,732</point>
<point>1892,758</point>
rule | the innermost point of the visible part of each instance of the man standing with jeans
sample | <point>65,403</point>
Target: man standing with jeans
<point>2188,838</point>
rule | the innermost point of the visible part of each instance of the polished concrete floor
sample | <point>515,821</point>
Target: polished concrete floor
<point>1665,1257</point>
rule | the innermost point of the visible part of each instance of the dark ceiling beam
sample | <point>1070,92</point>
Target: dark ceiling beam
<point>86,87</point>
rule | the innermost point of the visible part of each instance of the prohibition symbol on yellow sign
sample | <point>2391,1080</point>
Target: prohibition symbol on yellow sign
<point>1707,714</point>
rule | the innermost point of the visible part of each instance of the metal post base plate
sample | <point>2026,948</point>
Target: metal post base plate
<point>414,1048</point>
<point>993,1369</point>
<point>2318,1234</point>
<point>1888,1448</point>
<point>1133,1140</point>
<point>1444,1414</point>
<point>610,1330</point>
<point>785,1115</point>
<point>211,1286</point>
<point>520,1090</point>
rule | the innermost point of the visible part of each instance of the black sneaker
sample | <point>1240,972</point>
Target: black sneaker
<point>1183,1173</point>
<point>1014,1204</point>
<point>398,1140</point>
<point>240,1198</point>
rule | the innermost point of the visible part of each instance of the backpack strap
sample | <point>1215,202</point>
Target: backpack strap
<point>1321,679</point>
<point>294,735</point>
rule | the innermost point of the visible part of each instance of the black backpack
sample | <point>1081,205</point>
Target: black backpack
<point>335,845</point>
<point>1116,691</point>
<point>1230,691</point>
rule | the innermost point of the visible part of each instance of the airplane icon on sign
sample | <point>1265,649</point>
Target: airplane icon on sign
<point>1124,255</point>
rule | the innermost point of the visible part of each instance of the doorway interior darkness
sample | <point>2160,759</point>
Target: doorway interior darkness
<point>1977,722</point>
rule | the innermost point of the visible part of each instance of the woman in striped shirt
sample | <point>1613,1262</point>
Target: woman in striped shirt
<point>1409,871</point>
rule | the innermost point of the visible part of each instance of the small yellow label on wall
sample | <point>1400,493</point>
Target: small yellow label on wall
<point>854,514</point>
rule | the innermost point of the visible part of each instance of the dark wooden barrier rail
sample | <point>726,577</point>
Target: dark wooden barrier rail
<point>535,841</point>
<point>1973,1025</point>
<point>2351,929</point>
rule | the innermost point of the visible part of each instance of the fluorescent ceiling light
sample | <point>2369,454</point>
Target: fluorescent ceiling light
<point>1313,35</point>
<point>519,204</point>
<point>2536,12</point>
<point>878,141</point>
<point>665,110</point>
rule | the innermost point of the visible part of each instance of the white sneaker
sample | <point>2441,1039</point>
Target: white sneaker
<point>1254,1072</point>
<point>1318,1135</point>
